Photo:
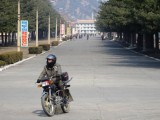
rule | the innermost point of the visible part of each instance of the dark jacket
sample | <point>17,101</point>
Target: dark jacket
<point>54,72</point>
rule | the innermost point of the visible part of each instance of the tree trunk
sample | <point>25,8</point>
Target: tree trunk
<point>6,42</point>
<point>33,36</point>
<point>13,34</point>
<point>120,34</point>
<point>140,41</point>
<point>144,42</point>
<point>133,39</point>
<point>2,39</point>
<point>40,34</point>
<point>149,41</point>
<point>9,38</point>
<point>128,38</point>
<point>157,41</point>
<point>124,37</point>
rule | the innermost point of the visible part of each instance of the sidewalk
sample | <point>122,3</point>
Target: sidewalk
<point>150,53</point>
<point>24,50</point>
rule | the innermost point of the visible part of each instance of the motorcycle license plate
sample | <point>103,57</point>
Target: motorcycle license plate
<point>46,83</point>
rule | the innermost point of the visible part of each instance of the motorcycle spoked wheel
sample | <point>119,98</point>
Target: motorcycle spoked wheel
<point>48,108</point>
<point>65,107</point>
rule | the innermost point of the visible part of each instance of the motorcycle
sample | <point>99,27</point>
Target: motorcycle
<point>52,97</point>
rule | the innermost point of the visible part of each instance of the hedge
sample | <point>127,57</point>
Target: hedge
<point>11,57</point>
<point>55,43</point>
<point>2,63</point>
<point>45,47</point>
<point>66,38</point>
<point>35,50</point>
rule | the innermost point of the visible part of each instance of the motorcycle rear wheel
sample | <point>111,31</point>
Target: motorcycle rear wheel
<point>48,107</point>
<point>65,108</point>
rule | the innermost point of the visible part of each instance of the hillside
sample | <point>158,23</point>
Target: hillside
<point>77,9</point>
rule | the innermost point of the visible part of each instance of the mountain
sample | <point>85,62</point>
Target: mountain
<point>77,9</point>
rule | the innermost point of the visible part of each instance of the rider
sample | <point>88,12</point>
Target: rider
<point>52,69</point>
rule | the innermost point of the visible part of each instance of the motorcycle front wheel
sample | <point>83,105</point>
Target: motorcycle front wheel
<point>48,107</point>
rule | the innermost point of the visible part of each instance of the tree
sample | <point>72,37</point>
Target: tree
<point>131,17</point>
<point>8,13</point>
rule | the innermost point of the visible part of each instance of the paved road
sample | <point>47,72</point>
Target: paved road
<point>109,83</point>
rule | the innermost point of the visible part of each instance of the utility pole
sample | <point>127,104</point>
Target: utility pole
<point>56,30</point>
<point>18,27</point>
<point>37,28</point>
<point>60,38</point>
<point>49,30</point>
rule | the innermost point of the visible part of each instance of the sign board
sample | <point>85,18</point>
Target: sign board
<point>68,30</point>
<point>74,31</point>
<point>24,33</point>
<point>62,31</point>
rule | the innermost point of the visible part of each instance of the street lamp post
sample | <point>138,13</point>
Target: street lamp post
<point>60,37</point>
<point>37,28</point>
<point>56,31</point>
<point>18,28</point>
<point>49,30</point>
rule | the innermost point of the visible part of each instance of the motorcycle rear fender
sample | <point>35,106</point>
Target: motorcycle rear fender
<point>69,95</point>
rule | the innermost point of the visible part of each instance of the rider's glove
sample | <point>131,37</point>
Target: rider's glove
<point>38,81</point>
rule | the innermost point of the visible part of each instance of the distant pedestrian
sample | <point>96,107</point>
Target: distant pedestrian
<point>87,36</point>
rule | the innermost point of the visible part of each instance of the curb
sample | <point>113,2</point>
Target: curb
<point>145,55</point>
<point>19,62</point>
<point>11,65</point>
<point>130,49</point>
<point>60,44</point>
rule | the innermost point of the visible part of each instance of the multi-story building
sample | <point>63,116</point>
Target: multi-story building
<point>85,26</point>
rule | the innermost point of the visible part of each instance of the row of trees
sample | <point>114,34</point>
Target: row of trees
<point>8,18</point>
<point>136,21</point>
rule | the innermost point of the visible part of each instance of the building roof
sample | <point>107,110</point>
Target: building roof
<point>86,21</point>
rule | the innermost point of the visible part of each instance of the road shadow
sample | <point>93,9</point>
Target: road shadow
<point>126,57</point>
<point>41,113</point>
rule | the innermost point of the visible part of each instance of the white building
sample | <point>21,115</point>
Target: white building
<point>85,26</point>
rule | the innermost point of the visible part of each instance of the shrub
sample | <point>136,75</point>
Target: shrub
<point>55,43</point>
<point>35,50</point>
<point>64,39</point>
<point>71,37</point>
<point>2,63</point>
<point>45,47</point>
<point>11,57</point>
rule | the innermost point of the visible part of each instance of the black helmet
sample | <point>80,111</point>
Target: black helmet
<point>53,58</point>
